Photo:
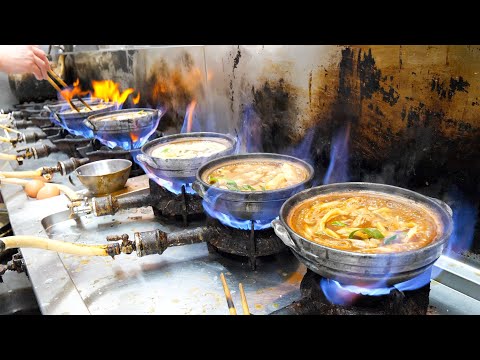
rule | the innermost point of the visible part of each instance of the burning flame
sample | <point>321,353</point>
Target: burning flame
<point>338,168</point>
<point>340,294</point>
<point>134,137</point>
<point>187,123</point>
<point>106,90</point>
<point>209,204</point>
<point>173,186</point>
<point>136,99</point>
<point>109,91</point>
<point>229,220</point>
<point>71,92</point>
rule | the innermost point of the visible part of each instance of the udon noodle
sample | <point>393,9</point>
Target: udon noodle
<point>189,149</point>
<point>364,222</point>
<point>256,175</point>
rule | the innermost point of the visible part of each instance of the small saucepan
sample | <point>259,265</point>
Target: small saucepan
<point>104,176</point>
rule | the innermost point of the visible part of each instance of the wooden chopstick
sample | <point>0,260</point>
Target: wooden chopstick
<point>246,311</point>
<point>60,91</point>
<point>64,84</point>
<point>226,290</point>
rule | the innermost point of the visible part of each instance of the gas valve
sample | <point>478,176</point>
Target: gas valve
<point>82,207</point>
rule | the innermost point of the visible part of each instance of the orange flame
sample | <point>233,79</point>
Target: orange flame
<point>106,90</point>
<point>134,137</point>
<point>190,109</point>
<point>69,93</point>
<point>109,91</point>
<point>136,99</point>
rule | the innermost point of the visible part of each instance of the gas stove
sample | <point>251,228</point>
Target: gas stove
<point>321,296</point>
<point>45,136</point>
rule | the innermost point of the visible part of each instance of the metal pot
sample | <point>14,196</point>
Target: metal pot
<point>129,133</point>
<point>183,170</point>
<point>74,122</point>
<point>249,205</point>
<point>357,268</point>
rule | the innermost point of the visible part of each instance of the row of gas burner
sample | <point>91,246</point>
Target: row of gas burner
<point>238,224</point>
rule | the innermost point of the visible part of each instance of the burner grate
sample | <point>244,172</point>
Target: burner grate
<point>173,207</point>
<point>245,243</point>
<point>314,302</point>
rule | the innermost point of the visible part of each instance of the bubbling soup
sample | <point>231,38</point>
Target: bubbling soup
<point>364,222</point>
<point>189,149</point>
<point>256,175</point>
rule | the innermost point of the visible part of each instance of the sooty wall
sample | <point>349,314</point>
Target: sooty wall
<point>401,115</point>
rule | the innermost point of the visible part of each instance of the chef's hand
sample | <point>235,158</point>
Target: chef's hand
<point>19,59</point>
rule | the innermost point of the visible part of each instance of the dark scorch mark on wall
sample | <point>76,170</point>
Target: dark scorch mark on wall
<point>236,60</point>
<point>310,89</point>
<point>273,104</point>
<point>456,84</point>
<point>370,77</point>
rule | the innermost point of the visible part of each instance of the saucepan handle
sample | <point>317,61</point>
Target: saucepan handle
<point>282,233</point>
<point>199,189</point>
<point>54,114</point>
<point>88,124</point>
<point>145,160</point>
<point>443,205</point>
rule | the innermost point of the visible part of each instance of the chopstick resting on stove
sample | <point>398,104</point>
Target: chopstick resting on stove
<point>246,310</point>
<point>228,296</point>
<point>226,290</point>
<point>53,76</point>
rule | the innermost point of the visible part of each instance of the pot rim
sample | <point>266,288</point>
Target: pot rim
<point>85,115</point>
<point>128,164</point>
<point>200,134</point>
<point>432,203</point>
<point>94,117</point>
<point>307,166</point>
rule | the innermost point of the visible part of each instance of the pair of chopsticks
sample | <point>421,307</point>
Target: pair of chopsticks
<point>231,306</point>
<point>52,77</point>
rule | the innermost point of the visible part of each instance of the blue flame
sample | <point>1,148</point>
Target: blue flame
<point>303,150</point>
<point>250,137</point>
<point>173,186</point>
<point>340,294</point>
<point>209,205</point>
<point>129,140</point>
<point>73,126</point>
<point>465,216</point>
<point>338,168</point>
<point>231,221</point>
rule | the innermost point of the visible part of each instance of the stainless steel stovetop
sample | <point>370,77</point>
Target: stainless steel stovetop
<point>183,280</point>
